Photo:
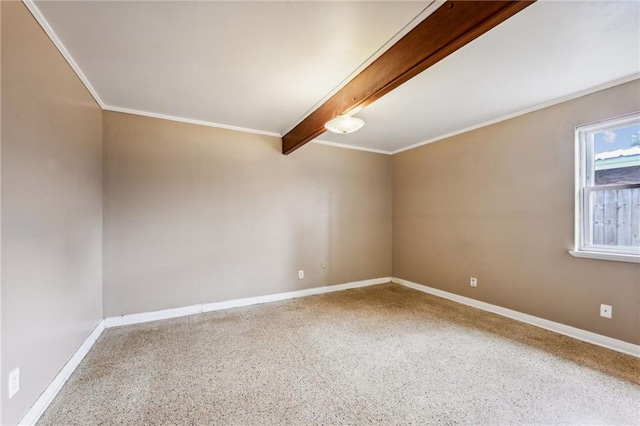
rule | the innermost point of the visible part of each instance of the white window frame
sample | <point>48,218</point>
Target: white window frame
<point>583,154</point>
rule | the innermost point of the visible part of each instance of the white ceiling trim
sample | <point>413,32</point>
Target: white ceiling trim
<point>428,10</point>
<point>189,121</point>
<point>524,111</point>
<point>76,68</point>
<point>63,50</point>
<point>357,148</point>
<point>419,18</point>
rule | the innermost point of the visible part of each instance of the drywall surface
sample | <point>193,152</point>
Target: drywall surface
<point>196,214</point>
<point>497,204</point>
<point>51,209</point>
<point>1,378</point>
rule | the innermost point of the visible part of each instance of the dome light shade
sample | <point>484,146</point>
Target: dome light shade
<point>344,124</point>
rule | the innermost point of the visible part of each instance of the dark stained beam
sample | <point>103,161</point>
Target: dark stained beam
<point>447,29</point>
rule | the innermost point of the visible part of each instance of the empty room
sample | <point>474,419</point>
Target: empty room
<point>319,212</point>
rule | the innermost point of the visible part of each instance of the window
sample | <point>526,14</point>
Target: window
<point>608,190</point>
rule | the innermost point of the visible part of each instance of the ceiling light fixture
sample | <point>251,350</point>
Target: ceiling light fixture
<point>344,124</point>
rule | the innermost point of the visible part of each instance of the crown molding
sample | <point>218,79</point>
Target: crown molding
<point>63,50</point>
<point>537,107</point>
<point>354,147</point>
<point>430,8</point>
<point>189,121</point>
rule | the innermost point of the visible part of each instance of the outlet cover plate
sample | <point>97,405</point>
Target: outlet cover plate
<point>606,311</point>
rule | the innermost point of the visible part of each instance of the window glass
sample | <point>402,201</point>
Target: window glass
<point>617,156</point>
<point>608,187</point>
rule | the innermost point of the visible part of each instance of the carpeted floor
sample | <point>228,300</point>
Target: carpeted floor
<point>377,355</point>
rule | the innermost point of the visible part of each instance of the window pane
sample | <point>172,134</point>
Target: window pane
<point>615,217</point>
<point>617,155</point>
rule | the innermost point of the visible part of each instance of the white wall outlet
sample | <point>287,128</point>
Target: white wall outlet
<point>323,264</point>
<point>606,311</point>
<point>300,275</point>
<point>473,282</point>
<point>14,382</point>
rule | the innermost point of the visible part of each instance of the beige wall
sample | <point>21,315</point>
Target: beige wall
<point>497,204</point>
<point>51,209</point>
<point>196,214</point>
<point>2,388</point>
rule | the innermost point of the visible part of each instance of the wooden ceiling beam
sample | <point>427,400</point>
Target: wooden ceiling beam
<point>447,29</point>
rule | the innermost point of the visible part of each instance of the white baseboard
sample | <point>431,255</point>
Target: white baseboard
<point>576,333</point>
<point>41,404</point>
<point>208,307</point>
<point>151,316</point>
<point>43,401</point>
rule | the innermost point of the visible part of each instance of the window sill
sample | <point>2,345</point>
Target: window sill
<point>605,256</point>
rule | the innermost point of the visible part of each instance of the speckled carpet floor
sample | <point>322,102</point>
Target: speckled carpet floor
<point>377,355</point>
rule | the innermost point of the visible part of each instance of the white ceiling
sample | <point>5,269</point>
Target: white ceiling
<point>255,65</point>
<point>550,50</point>
<point>264,65</point>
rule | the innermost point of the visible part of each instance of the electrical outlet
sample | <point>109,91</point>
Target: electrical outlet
<point>300,275</point>
<point>473,282</point>
<point>606,311</point>
<point>14,382</point>
<point>323,264</point>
